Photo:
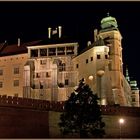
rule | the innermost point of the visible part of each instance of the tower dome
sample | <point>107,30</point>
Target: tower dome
<point>108,22</point>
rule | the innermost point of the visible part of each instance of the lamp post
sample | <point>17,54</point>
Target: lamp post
<point>121,122</point>
<point>100,73</point>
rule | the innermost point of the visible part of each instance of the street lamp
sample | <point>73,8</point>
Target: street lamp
<point>100,73</point>
<point>121,122</point>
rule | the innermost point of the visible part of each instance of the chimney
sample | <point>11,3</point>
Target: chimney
<point>88,43</point>
<point>95,35</point>
<point>18,42</point>
<point>60,31</point>
<point>49,32</point>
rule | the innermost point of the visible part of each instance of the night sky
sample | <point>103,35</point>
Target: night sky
<point>30,21</point>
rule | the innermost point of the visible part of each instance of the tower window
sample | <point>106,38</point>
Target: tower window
<point>98,56</point>
<point>77,66</point>
<point>106,56</point>
<point>91,58</point>
<point>86,61</point>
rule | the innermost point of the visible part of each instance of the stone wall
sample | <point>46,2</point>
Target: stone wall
<point>29,118</point>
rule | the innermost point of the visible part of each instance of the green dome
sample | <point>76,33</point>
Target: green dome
<point>108,22</point>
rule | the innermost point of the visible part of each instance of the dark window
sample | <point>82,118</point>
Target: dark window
<point>106,56</point>
<point>48,74</point>
<point>37,75</point>
<point>34,53</point>
<point>52,51</point>
<point>61,51</point>
<point>43,52</point>
<point>1,72</point>
<point>43,62</point>
<point>77,66</point>
<point>66,82</point>
<point>86,61</point>
<point>16,83</point>
<point>16,70</point>
<point>70,50</point>
<point>63,66</point>
<point>133,100</point>
<point>98,56</point>
<point>1,84</point>
<point>91,58</point>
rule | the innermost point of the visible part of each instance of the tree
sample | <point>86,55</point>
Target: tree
<point>82,114</point>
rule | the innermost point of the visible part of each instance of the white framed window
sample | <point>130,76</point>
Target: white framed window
<point>16,83</point>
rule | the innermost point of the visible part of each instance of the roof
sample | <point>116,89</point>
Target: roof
<point>13,49</point>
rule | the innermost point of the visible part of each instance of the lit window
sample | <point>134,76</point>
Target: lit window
<point>1,72</point>
<point>16,70</point>
<point>16,83</point>
<point>91,58</point>
<point>1,84</point>
<point>66,82</point>
<point>98,56</point>
<point>77,66</point>
<point>86,61</point>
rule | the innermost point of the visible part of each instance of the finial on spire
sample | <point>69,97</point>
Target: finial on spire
<point>108,14</point>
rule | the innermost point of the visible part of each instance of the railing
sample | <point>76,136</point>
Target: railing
<point>18,102</point>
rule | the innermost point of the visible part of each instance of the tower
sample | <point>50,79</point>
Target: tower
<point>112,38</point>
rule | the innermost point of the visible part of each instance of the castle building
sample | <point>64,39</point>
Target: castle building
<point>50,69</point>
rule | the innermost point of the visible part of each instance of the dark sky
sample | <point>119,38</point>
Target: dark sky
<point>30,21</point>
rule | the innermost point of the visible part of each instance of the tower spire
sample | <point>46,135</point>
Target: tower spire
<point>108,14</point>
<point>127,74</point>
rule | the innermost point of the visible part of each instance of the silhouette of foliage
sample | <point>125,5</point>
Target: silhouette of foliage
<point>82,114</point>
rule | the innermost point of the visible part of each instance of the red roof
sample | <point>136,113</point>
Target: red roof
<point>15,49</point>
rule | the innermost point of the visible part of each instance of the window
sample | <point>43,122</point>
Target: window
<point>52,51</point>
<point>86,61</point>
<point>1,72</point>
<point>48,74</point>
<point>16,83</point>
<point>37,75</point>
<point>106,56</point>
<point>91,58</point>
<point>43,52</point>
<point>66,82</point>
<point>98,56</point>
<point>16,95</point>
<point>1,84</point>
<point>16,70</point>
<point>34,53</point>
<point>43,62</point>
<point>77,66</point>
<point>133,100</point>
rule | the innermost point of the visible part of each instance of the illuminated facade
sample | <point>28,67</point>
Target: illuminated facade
<point>51,71</point>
